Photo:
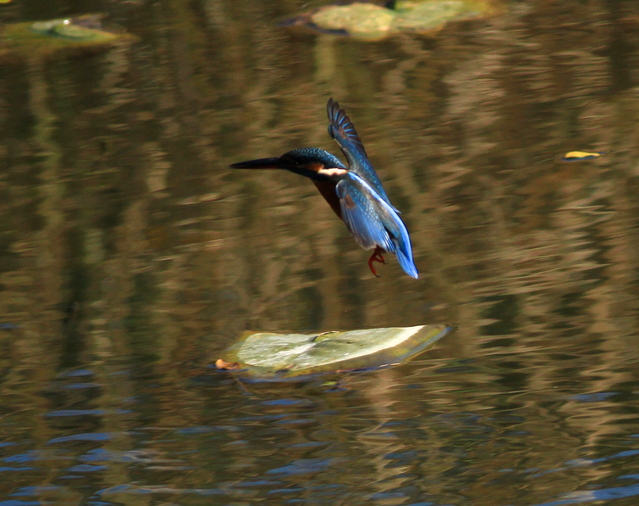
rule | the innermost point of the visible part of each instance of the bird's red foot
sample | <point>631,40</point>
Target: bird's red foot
<point>376,257</point>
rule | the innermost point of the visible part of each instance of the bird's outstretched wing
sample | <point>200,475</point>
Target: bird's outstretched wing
<point>373,222</point>
<point>342,130</point>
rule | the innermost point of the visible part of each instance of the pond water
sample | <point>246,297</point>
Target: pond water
<point>131,257</point>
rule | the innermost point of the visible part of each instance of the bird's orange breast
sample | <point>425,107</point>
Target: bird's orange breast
<point>327,189</point>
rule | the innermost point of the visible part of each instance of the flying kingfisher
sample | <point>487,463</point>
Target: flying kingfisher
<point>355,192</point>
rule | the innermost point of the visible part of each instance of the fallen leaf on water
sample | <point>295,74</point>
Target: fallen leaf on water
<point>580,156</point>
<point>281,356</point>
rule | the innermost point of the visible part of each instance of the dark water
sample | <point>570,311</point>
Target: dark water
<point>131,257</point>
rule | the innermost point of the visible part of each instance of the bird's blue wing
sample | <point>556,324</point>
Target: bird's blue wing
<point>343,131</point>
<point>373,222</point>
<point>360,216</point>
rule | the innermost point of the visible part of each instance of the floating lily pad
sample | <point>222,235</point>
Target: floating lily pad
<point>80,28</point>
<point>355,19</point>
<point>368,20</point>
<point>432,15</point>
<point>40,38</point>
<point>280,356</point>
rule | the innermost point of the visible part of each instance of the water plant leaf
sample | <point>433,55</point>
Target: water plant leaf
<point>370,21</point>
<point>33,40</point>
<point>272,355</point>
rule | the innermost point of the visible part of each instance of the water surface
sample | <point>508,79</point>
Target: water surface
<point>131,257</point>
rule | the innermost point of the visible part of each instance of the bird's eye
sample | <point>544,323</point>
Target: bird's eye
<point>291,161</point>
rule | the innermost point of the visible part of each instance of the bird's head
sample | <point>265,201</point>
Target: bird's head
<point>314,163</point>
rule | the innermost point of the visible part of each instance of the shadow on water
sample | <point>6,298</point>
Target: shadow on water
<point>131,257</point>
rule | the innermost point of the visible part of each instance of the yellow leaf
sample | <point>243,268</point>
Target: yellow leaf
<point>578,156</point>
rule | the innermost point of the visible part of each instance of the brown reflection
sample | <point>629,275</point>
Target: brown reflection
<point>126,237</point>
<point>465,141</point>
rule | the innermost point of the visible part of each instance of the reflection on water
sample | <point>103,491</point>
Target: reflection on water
<point>131,257</point>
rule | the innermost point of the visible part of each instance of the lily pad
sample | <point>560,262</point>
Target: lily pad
<point>80,28</point>
<point>41,38</point>
<point>366,20</point>
<point>433,15</point>
<point>281,356</point>
<point>355,19</point>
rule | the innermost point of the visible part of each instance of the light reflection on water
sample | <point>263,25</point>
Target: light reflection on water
<point>131,257</point>
<point>439,430</point>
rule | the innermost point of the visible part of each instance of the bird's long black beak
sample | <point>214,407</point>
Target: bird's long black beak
<point>260,163</point>
<point>282,163</point>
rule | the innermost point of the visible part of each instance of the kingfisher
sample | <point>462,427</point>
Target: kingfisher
<point>355,193</point>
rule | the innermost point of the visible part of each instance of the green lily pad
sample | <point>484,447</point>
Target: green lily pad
<point>41,38</point>
<point>355,19</point>
<point>281,356</point>
<point>81,28</point>
<point>372,21</point>
<point>433,15</point>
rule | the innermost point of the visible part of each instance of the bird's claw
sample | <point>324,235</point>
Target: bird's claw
<point>376,257</point>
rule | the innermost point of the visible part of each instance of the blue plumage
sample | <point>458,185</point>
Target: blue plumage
<point>305,156</point>
<point>366,209</point>
<point>374,222</point>
<point>343,131</point>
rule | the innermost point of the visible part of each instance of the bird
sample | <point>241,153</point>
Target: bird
<point>354,192</point>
